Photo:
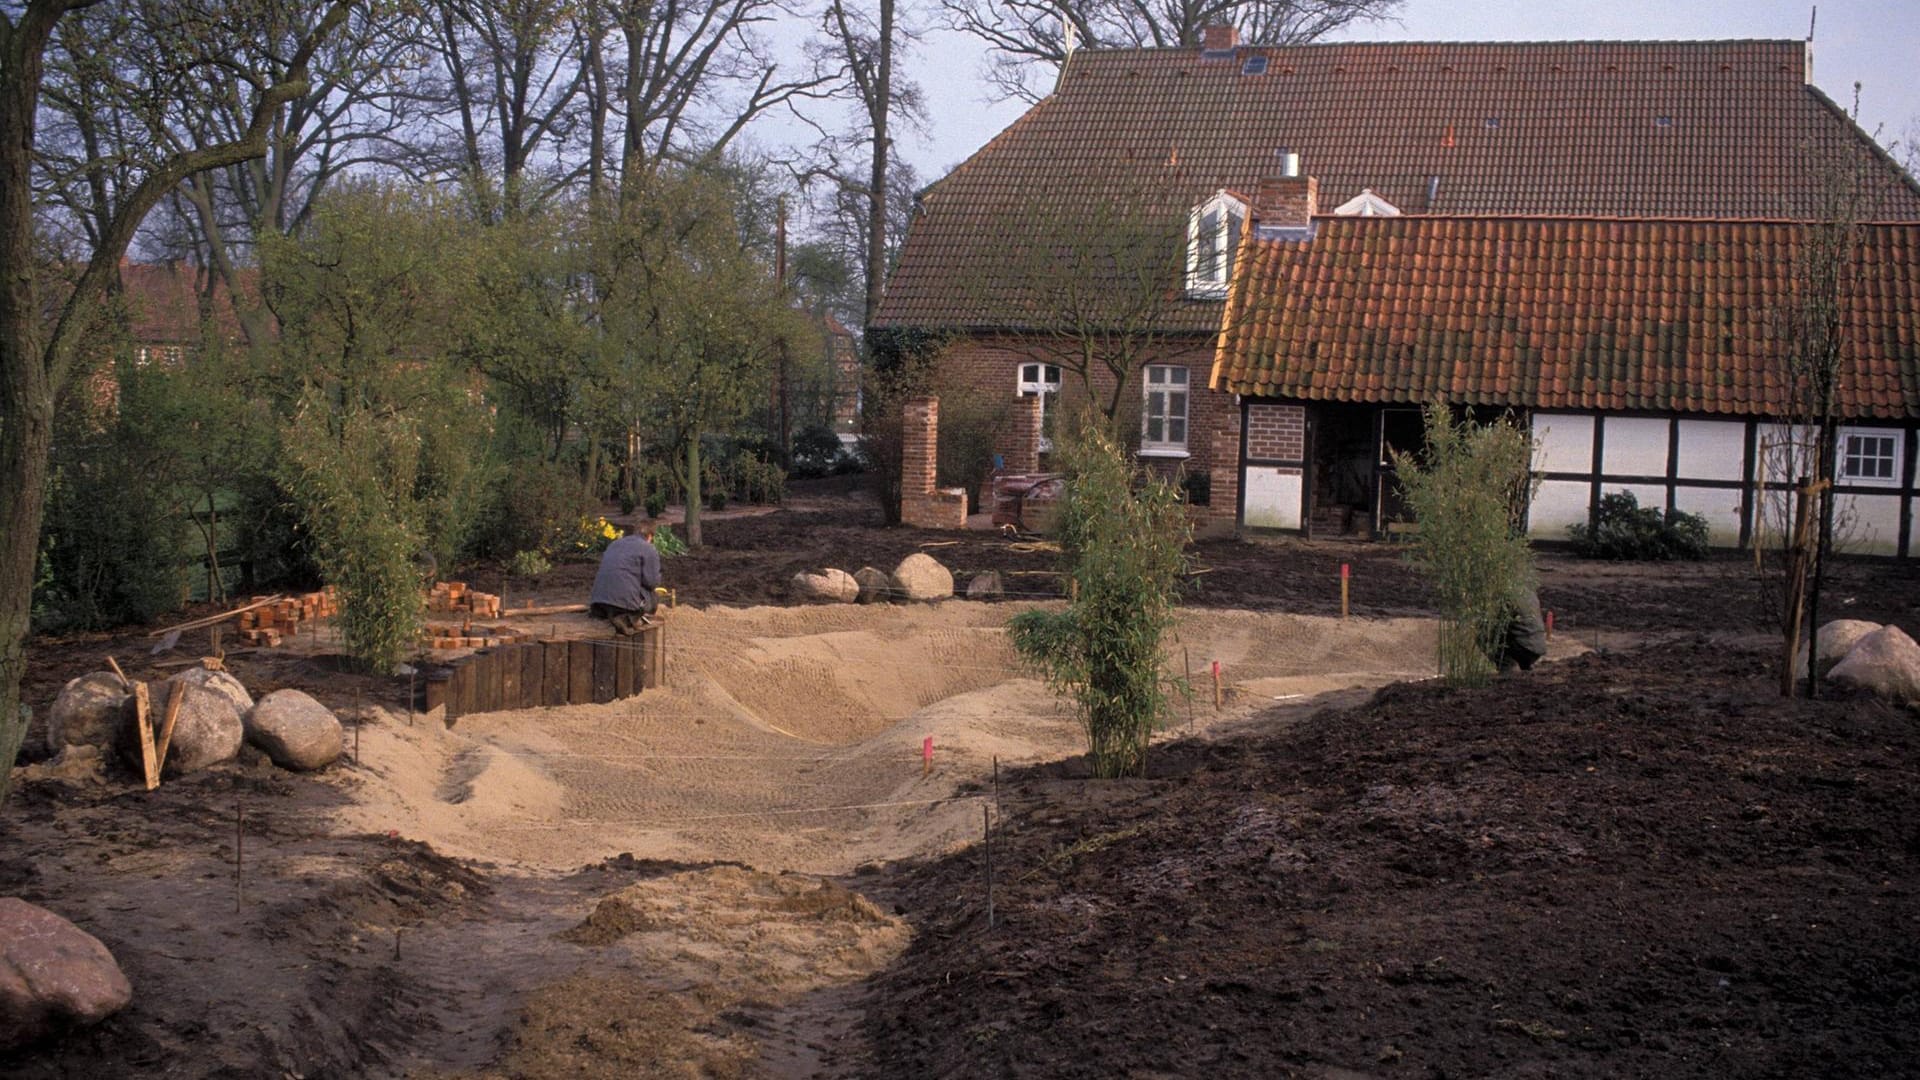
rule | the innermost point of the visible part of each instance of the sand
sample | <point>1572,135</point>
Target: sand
<point>790,739</point>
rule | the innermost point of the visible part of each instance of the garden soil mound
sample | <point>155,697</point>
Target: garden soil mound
<point>1627,865</point>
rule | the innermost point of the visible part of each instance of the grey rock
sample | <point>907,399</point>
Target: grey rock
<point>296,731</point>
<point>875,586</point>
<point>207,732</point>
<point>53,975</point>
<point>90,711</point>
<point>1886,662</point>
<point>830,586</point>
<point>220,682</point>
<point>986,586</point>
<point>921,577</point>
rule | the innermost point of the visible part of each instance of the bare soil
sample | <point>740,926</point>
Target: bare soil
<point>1628,863</point>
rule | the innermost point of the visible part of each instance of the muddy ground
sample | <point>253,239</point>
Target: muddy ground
<point>1637,863</point>
<point>1634,863</point>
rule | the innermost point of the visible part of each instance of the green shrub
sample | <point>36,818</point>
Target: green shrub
<point>816,452</point>
<point>1123,536</point>
<point>533,506</point>
<point>667,543</point>
<point>656,502</point>
<point>1623,529</point>
<point>528,563</point>
<point>1468,491</point>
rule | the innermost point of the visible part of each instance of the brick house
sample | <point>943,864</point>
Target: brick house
<point>1436,143</point>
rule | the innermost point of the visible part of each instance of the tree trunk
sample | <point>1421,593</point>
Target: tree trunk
<point>693,491</point>
<point>1823,544</point>
<point>877,110</point>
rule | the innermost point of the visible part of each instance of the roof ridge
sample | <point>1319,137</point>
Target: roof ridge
<point>1245,46</point>
<point>1635,219</point>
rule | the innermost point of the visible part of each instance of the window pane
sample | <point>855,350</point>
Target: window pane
<point>1156,404</point>
<point>1154,427</point>
<point>1178,375</point>
<point>1177,430</point>
<point>1177,404</point>
<point>1053,374</point>
<point>1030,373</point>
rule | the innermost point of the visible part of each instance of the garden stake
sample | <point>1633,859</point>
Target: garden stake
<point>1216,686</point>
<point>239,840</point>
<point>1343,589</point>
<point>1186,658</point>
<point>996,779</point>
<point>411,675</point>
<point>926,757</point>
<point>986,825</point>
<point>1549,624</point>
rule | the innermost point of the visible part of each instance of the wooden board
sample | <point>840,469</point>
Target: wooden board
<point>438,683</point>
<point>493,671</point>
<point>606,658</point>
<point>143,730</point>
<point>507,659</point>
<point>626,652</point>
<point>653,652</point>
<point>554,654</point>
<point>460,695</point>
<point>580,672</point>
<point>533,674</point>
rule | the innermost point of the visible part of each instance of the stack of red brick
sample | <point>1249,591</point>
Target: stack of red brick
<point>441,636</point>
<point>266,625</point>
<point>454,596</point>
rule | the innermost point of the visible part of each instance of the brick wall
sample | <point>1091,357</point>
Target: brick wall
<point>1276,432</point>
<point>1023,439</point>
<point>992,365</point>
<point>1286,201</point>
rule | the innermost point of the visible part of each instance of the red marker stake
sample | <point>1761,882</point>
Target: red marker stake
<point>1549,625</point>
<point>926,756</point>
<point>1216,684</point>
<point>1345,573</point>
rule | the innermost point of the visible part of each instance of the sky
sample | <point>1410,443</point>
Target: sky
<point>1874,42</point>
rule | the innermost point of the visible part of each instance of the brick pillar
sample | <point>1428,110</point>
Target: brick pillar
<point>1224,499</point>
<point>919,446</point>
<point>1023,448</point>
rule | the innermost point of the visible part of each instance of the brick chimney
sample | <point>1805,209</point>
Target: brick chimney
<point>1286,202</point>
<point>1219,39</point>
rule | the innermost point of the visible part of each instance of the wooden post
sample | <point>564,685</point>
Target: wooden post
<point>605,661</point>
<point>176,696</point>
<point>554,656</point>
<point>143,731</point>
<point>626,657</point>
<point>1216,686</point>
<point>1186,658</point>
<point>986,819</point>
<point>1799,563</point>
<point>1344,574</point>
<point>579,672</point>
<point>125,683</point>
<point>533,676</point>
<point>507,659</point>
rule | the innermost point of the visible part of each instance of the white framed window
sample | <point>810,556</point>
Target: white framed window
<point>1042,381</point>
<point>1213,236</point>
<point>1869,456</point>
<point>1163,410</point>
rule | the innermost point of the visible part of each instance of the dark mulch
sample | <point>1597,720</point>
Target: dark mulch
<point>1631,864</point>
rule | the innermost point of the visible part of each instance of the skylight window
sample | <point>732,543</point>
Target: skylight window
<point>1255,65</point>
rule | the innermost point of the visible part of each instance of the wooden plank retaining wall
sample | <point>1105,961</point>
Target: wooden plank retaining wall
<point>546,673</point>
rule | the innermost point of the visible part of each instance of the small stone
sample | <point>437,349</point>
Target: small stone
<point>296,731</point>
<point>875,586</point>
<point>53,975</point>
<point>921,577</point>
<point>89,712</point>
<point>830,586</point>
<point>986,586</point>
<point>1886,662</point>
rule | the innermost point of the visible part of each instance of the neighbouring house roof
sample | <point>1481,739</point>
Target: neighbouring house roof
<point>164,303</point>
<point>1714,129</point>
<point>1670,315</point>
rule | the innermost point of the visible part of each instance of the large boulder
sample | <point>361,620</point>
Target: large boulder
<point>90,711</point>
<point>875,585</point>
<point>1886,662</point>
<point>296,731</point>
<point>207,732</point>
<point>986,586</point>
<point>921,577</point>
<point>53,975</point>
<point>1835,639</point>
<point>829,586</point>
<point>219,682</point>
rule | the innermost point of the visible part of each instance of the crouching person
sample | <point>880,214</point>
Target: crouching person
<point>623,586</point>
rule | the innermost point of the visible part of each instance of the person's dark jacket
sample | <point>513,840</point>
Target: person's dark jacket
<point>629,572</point>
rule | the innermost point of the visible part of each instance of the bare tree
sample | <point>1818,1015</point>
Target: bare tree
<point>37,353</point>
<point>1025,35</point>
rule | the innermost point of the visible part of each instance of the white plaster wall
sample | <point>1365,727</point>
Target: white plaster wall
<point>1769,454</point>
<point>1564,443</point>
<point>1711,449</point>
<point>1558,504</point>
<point>1273,497</point>
<point>1720,506</point>
<point>1635,446</point>
<point>1874,528</point>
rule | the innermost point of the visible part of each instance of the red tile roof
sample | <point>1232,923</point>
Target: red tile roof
<point>1724,129</point>
<point>1679,315</point>
<point>163,303</point>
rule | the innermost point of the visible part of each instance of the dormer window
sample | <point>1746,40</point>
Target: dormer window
<point>1213,235</point>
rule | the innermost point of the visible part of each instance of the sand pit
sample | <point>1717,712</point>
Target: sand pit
<point>790,738</point>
